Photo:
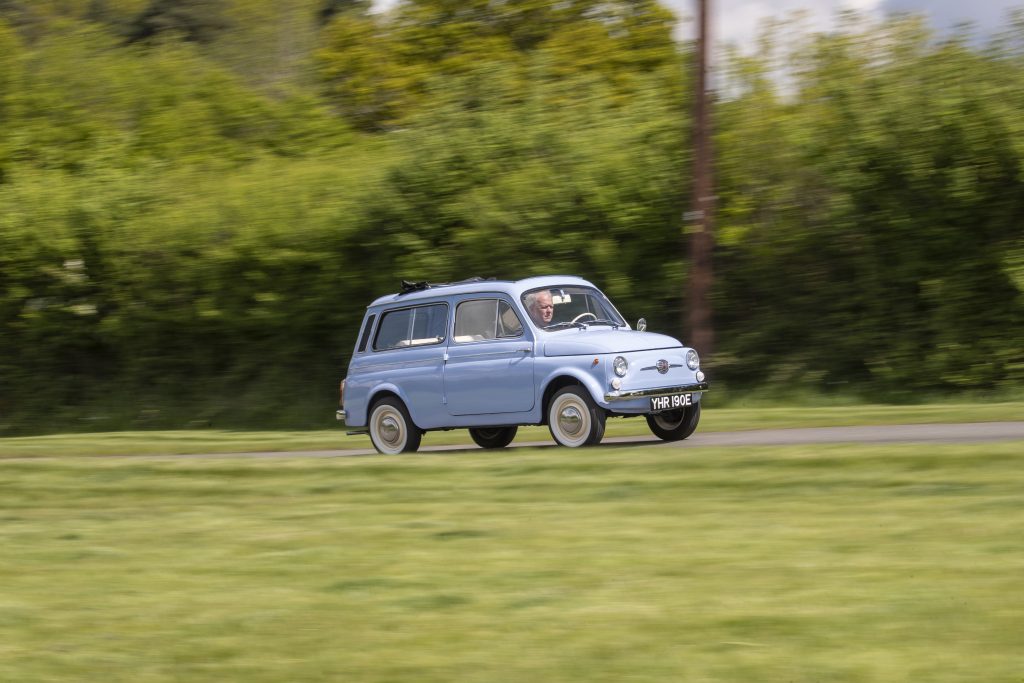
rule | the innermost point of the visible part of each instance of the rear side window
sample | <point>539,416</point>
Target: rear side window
<point>366,332</point>
<point>486,319</point>
<point>417,326</point>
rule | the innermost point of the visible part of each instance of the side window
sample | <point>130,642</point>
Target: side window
<point>486,319</point>
<point>366,332</point>
<point>393,329</point>
<point>429,323</point>
<point>411,327</point>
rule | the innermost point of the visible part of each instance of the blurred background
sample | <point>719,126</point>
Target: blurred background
<point>198,198</point>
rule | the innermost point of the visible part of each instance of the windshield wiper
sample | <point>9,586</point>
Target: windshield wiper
<point>565,323</point>
<point>583,325</point>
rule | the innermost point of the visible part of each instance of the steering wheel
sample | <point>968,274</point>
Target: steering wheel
<point>583,315</point>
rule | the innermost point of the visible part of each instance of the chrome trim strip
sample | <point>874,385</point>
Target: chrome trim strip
<point>414,363</point>
<point>609,353</point>
<point>650,393</point>
<point>511,353</point>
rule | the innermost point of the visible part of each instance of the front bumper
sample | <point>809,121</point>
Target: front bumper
<point>632,395</point>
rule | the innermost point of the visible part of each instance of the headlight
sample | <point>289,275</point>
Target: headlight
<point>620,365</point>
<point>692,359</point>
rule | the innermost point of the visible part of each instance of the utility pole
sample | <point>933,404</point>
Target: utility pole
<point>700,217</point>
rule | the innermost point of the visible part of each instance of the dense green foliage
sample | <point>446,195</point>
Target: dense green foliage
<point>198,198</point>
<point>872,227</point>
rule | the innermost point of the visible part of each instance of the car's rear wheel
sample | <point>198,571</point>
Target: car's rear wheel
<point>493,437</point>
<point>674,425</point>
<point>574,419</point>
<point>391,429</point>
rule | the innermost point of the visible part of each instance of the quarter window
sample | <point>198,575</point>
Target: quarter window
<point>486,319</point>
<point>417,326</point>
<point>366,333</point>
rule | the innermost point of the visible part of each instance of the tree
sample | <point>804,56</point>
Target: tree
<point>872,209</point>
<point>10,53</point>
<point>199,21</point>
<point>378,69</point>
<point>332,8</point>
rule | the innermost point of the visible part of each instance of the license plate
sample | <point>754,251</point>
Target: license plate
<point>671,402</point>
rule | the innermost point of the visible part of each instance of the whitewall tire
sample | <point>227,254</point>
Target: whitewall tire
<point>574,419</point>
<point>391,429</point>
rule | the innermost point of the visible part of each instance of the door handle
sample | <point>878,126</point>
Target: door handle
<point>525,349</point>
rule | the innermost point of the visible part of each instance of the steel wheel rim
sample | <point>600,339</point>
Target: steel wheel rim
<point>389,429</point>
<point>571,420</point>
<point>661,421</point>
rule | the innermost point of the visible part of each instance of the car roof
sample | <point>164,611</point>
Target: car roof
<point>514,288</point>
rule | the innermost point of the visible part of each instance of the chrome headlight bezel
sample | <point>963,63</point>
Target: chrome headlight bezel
<point>620,365</point>
<point>692,359</point>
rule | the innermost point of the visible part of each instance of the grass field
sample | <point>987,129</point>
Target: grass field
<point>716,419</point>
<point>834,563</point>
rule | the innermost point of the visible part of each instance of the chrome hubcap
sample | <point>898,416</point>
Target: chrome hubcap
<point>570,420</point>
<point>389,429</point>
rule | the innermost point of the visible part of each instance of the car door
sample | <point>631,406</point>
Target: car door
<point>489,364</point>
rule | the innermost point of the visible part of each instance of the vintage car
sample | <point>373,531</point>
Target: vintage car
<point>491,355</point>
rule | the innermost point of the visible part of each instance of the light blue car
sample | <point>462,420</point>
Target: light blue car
<point>491,355</point>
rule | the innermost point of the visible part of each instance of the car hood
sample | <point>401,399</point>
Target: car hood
<point>577,342</point>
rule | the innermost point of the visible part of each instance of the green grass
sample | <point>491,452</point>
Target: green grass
<point>834,563</point>
<point>713,419</point>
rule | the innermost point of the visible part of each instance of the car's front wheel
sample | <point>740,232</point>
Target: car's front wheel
<point>493,437</point>
<point>674,425</point>
<point>391,429</point>
<point>574,419</point>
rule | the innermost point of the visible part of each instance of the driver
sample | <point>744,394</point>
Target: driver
<point>540,307</point>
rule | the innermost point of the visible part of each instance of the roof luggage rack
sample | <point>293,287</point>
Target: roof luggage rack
<point>410,287</point>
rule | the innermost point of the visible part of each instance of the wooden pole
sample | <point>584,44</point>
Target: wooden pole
<point>700,218</point>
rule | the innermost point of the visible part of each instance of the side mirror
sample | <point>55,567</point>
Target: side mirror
<point>641,324</point>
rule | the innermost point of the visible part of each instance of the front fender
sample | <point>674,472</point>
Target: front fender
<point>587,379</point>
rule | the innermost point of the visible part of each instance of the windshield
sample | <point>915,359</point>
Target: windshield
<point>558,308</point>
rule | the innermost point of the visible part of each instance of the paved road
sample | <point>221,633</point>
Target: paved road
<point>931,433</point>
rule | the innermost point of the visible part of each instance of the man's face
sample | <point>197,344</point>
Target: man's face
<point>543,309</point>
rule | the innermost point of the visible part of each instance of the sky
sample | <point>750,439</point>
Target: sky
<point>737,20</point>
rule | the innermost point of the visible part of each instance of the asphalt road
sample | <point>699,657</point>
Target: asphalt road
<point>927,433</point>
